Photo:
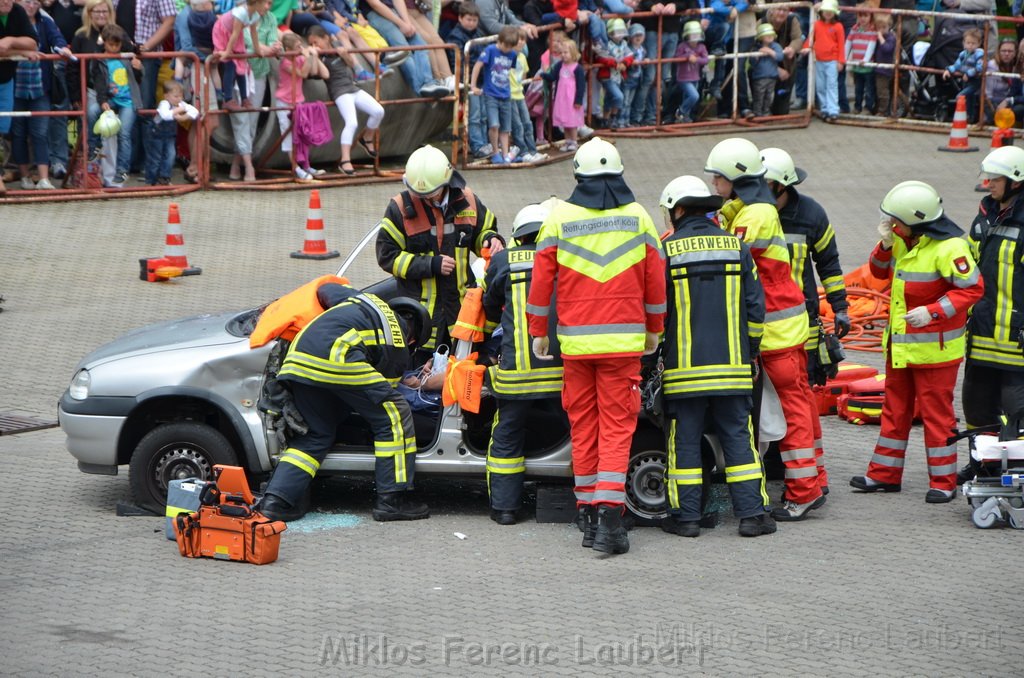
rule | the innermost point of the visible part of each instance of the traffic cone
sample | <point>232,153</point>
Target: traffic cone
<point>174,243</point>
<point>958,140</point>
<point>315,246</point>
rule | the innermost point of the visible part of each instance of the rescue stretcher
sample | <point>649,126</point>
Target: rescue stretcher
<point>996,494</point>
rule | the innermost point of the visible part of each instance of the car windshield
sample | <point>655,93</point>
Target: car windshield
<point>242,324</point>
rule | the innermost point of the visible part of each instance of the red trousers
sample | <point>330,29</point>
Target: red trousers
<point>933,389</point>
<point>787,368</point>
<point>819,450</point>
<point>602,398</point>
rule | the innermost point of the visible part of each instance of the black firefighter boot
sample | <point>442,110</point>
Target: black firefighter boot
<point>586,520</point>
<point>611,536</point>
<point>398,506</point>
<point>276,508</point>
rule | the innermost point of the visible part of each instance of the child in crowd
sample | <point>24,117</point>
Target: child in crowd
<point>968,67</point>
<point>341,87</point>
<point>634,77</point>
<point>495,64</point>
<point>860,48</point>
<point>614,60</point>
<point>765,71</point>
<point>468,29</point>
<point>160,150</point>
<point>201,20</point>
<point>356,33</point>
<point>117,89</point>
<point>227,39</point>
<point>885,53</point>
<point>522,126</point>
<point>293,70</point>
<point>830,59</point>
<point>688,72</point>
<point>569,81</point>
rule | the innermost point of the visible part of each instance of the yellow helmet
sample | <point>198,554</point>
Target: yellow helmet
<point>734,158</point>
<point>1006,161</point>
<point>596,157</point>
<point>778,166</point>
<point>913,203</point>
<point>427,170</point>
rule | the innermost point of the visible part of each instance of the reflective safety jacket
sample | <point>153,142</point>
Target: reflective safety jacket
<point>715,312</point>
<point>997,241</point>
<point>519,374</point>
<point>415,233</point>
<point>811,240</point>
<point>757,224</point>
<point>357,342</point>
<point>610,270</point>
<point>939,274</point>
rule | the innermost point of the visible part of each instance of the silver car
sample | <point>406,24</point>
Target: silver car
<point>172,400</point>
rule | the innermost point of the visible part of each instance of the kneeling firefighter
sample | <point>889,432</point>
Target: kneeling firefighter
<point>712,335</point>
<point>349,358</point>
<point>520,378</point>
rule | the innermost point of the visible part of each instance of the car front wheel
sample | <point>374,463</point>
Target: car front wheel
<point>175,452</point>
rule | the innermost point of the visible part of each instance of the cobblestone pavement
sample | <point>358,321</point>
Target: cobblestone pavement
<point>869,585</point>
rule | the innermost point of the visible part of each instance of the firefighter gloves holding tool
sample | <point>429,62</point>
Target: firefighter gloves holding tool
<point>885,232</point>
<point>918,317</point>
<point>540,348</point>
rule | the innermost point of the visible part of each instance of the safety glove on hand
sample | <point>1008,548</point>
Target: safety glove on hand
<point>841,325</point>
<point>885,234</point>
<point>918,317</point>
<point>540,348</point>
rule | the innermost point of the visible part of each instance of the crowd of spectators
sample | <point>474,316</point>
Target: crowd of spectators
<point>567,66</point>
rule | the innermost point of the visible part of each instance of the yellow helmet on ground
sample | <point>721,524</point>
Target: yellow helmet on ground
<point>427,170</point>
<point>734,158</point>
<point>913,203</point>
<point>1006,161</point>
<point>596,157</point>
<point>778,166</point>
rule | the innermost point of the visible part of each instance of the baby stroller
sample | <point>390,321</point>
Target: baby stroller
<point>932,97</point>
<point>996,494</point>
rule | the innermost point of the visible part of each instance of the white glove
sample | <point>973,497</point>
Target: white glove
<point>918,317</point>
<point>885,232</point>
<point>540,348</point>
<point>651,341</point>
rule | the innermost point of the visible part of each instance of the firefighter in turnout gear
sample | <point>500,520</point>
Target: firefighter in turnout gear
<point>603,250</point>
<point>737,175</point>
<point>712,335</point>
<point>520,378</point>
<point>347,359</point>
<point>934,283</point>
<point>812,247</point>
<point>426,236</point>
<point>994,373</point>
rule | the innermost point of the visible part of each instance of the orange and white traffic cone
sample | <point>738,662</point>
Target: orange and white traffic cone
<point>174,243</point>
<point>958,139</point>
<point>315,247</point>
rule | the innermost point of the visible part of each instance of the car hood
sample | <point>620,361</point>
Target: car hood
<point>196,331</point>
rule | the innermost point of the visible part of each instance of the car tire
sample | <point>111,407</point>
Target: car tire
<point>173,452</point>
<point>645,480</point>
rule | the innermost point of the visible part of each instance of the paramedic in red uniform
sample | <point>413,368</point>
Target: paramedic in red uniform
<point>934,284</point>
<point>603,249</point>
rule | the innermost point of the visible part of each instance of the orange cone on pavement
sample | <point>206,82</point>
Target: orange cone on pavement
<point>958,139</point>
<point>315,247</point>
<point>174,243</point>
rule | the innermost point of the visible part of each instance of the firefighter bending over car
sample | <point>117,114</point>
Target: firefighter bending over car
<point>812,247</point>
<point>599,250</point>
<point>349,358</point>
<point>934,283</point>
<point>712,335</point>
<point>994,374</point>
<point>750,214</point>
<point>426,236</point>
<point>520,378</point>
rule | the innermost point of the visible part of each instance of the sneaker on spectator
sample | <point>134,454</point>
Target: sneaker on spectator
<point>434,88</point>
<point>315,172</point>
<point>302,175</point>
<point>538,157</point>
<point>498,159</point>
<point>44,185</point>
<point>526,157</point>
<point>513,151</point>
<point>585,132</point>
<point>395,58</point>
<point>58,170</point>
<point>362,75</point>
<point>114,184</point>
<point>484,151</point>
<point>449,84</point>
<point>27,184</point>
<point>121,177</point>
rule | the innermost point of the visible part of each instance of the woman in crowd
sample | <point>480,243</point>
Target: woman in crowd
<point>95,17</point>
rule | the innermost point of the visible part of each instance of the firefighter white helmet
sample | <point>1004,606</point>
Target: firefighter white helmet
<point>778,166</point>
<point>529,219</point>
<point>913,203</point>
<point>427,170</point>
<point>686,191</point>
<point>1006,161</point>
<point>596,157</point>
<point>734,158</point>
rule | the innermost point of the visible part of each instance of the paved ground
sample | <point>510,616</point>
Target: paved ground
<point>871,585</point>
